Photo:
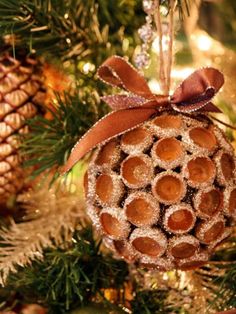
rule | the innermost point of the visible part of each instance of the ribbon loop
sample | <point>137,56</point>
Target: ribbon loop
<point>193,94</point>
<point>116,71</point>
<point>201,86</point>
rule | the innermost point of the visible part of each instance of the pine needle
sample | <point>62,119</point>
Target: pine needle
<point>71,277</point>
<point>49,142</point>
<point>53,217</point>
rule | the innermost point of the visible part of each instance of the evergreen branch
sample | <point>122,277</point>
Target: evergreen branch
<point>226,287</point>
<point>219,277</point>
<point>76,29</point>
<point>68,278</point>
<point>50,141</point>
<point>225,281</point>
<point>69,28</point>
<point>152,302</point>
<point>53,218</point>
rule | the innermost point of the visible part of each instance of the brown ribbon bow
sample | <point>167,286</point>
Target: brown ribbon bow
<point>193,94</point>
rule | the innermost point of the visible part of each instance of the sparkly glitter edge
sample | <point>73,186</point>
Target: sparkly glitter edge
<point>138,148</point>
<point>148,161</point>
<point>169,211</point>
<point>204,226</point>
<point>198,184</point>
<point>155,234</point>
<point>118,189</point>
<point>165,164</point>
<point>190,239</point>
<point>154,204</point>
<point>197,202</point>
<point>220,176</point>
<point>118,214</point>
<point>227,193</point>
<point>168,173</point>
<point>191,146</point>
<point>160,263</point>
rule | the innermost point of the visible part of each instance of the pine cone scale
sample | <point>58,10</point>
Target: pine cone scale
<point>21,93</point>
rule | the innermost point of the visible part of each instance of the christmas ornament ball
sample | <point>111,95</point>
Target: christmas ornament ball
<point>164,193</point>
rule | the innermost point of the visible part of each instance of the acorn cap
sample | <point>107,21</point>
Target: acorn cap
<point>142,209</point>
<point>196,261</point>
<point>183,246</point>
<point>230,201</point>
<point>149,241</point>
<point>227,232</point>
<point>136,141</point>
<point>200,171</point>
<point>225,163</point>
<point>208,202</point>
<point>221,139</point>
<point>160,263</point>
<point>168,187</point>
<point>109,188</point>
<point>201,139</point>
<point>108,155</point>
<point>179,219</point>
<point>124,249</point>
<point>137,171</point>
<point>113,223</point>
<point>211,230</point>
<point>167,125</point>
<point>168,153</point>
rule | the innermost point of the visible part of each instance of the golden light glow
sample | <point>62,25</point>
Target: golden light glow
<point>154,86</point>
<point>204,42</point>
<point>182,73</point>
<point>88,67</point>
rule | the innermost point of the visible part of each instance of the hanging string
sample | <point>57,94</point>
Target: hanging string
<point>165,62</point>
<point>170,46</point>
<point>162,74</point>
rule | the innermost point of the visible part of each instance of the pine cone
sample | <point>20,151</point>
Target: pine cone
<point>164,193</point>
<point>21,94</point>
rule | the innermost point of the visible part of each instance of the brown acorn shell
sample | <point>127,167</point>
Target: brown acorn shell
<point>179,219</point>
<point>208,202</point>
<point>182,247</point>
<point>149,241</point>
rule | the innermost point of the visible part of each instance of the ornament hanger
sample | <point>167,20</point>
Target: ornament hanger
<point>146,33</point>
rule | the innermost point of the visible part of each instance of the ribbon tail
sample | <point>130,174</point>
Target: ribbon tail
<point>113,124</point>
<point>210,107</point>
<point>203,106</point>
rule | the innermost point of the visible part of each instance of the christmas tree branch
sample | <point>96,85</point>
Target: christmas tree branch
<point>219,277</point>
<point>51,218</point>
<point>68,278</point>
<point>49,141</point>
<point>67,29</point>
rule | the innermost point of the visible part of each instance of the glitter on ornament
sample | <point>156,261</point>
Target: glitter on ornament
<point>230,201</point>
<point>146,33</point>
<point>142,59</point>
<point>163,193</point>
<point>149,6</point>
